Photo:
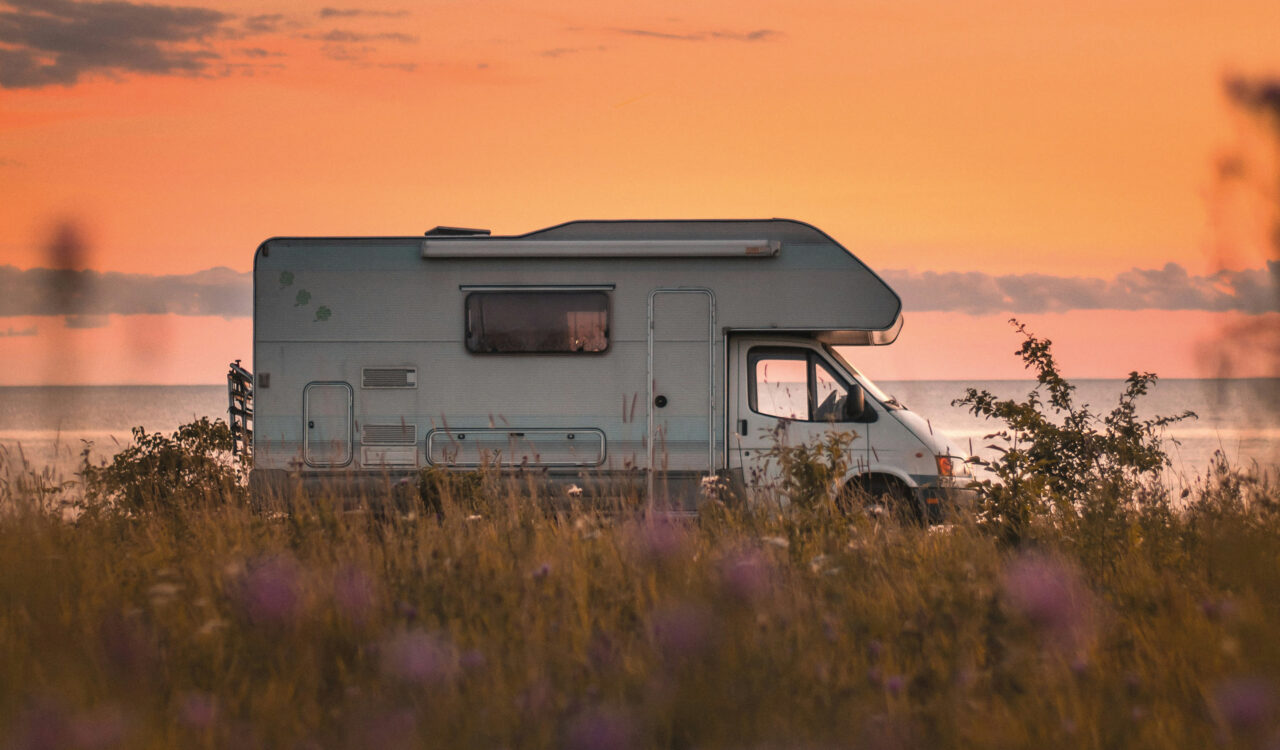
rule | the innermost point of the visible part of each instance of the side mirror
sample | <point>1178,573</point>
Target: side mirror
<point>855,404</point>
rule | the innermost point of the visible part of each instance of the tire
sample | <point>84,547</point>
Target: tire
<point>880,495</point>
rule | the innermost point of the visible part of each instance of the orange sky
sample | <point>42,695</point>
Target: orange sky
<point>1004,137</point>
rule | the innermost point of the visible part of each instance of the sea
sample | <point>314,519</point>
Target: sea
<point>1239,419</point>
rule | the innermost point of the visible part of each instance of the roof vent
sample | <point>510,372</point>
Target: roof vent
<point>456,232</point>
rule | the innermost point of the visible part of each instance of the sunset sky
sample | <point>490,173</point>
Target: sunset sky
<point>989,158</point>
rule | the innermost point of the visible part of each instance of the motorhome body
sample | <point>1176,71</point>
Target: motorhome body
<point>667,350</point>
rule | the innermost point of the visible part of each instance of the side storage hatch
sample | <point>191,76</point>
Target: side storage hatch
<point>327,423</point>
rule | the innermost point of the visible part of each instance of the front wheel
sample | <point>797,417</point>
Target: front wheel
<point>880,496</point>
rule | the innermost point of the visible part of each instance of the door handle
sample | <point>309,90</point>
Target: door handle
<point>742,427</point>
<point>311,424</point>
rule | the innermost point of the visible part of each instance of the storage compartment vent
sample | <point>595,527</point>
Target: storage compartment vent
<point>389,377</point>
<point>389,434</point>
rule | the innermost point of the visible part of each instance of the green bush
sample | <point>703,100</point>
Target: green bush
<point>440,487</point>
<point>811,474</point>
<point>1058,456</point>
<point>164,473</point>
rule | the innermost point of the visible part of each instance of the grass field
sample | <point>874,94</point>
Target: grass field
<point>197,622</point>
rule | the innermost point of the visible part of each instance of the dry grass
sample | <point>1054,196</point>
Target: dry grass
<point>218,627</point>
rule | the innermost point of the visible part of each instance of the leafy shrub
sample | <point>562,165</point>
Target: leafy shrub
<point>811,474</point>
<point>1057,455</point>
<point>198,461</point>
<point>440,487</point>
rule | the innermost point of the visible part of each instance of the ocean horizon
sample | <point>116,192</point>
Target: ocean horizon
<point>1238,417</point>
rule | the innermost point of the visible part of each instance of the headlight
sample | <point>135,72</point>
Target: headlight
<point>952,466</point>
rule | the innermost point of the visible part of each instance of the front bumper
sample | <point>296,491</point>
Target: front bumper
<point>938,502</point>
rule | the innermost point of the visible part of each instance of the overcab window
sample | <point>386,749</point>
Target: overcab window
<point>537,322</point>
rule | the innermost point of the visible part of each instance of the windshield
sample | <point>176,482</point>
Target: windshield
<point>864,381</point>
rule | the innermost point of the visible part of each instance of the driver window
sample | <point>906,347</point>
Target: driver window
<point>781,386</point>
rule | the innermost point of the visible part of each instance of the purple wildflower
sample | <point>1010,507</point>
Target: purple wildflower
<point>197,710</point>
<point>829,629</point>
<point>472,660</point>
<point>353,593</point>
<point>270,590</point>
<point>101,727</point>
<point>601,729</point>
<point>1218,610</point>
<point>390,730</point>
<point>745,575</point>
<point>126,644</point>
<point>419,657</point>
<point>682,630</point>
<point>43,726</point>
<point>895,684</point>
<point>1244,703</point>
<point>1052,596</point>
<point>542,571</point>
<point>407,611</point>
<point>535,700</point>
<point>662,542</point>
<point>601,651</point>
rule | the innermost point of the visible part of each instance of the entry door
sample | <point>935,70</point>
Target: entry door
<point>327,421</point>
<point>681,407</point>
<point>788,394</point>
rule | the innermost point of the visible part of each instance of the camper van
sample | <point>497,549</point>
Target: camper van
<point>654,355</point>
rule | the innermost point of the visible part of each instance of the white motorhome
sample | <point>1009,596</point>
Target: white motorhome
<point>655,352</point>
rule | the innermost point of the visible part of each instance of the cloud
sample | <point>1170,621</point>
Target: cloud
<point>55,42</point>
<point>758,35</point>
<point>359,47</point>
<point>259,52</point>
<point>342,36</point>
<point>263,24</point>
<point>87,321</point>
<point>7,162</point>
<point>361,13</point>
<point>86,296</point>
<point>1252,291</point>
<point>12,332</point>
<point>407,67</point>
<point>562,51</point>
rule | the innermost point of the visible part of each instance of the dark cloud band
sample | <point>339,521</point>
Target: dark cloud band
<point>84,296</point>
<point>229,294</point>
<point>47,42</point>
<point>1170,288</point>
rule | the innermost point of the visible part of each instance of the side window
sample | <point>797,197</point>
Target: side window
<point>537,322</point>
<point>795,384</point>
<point>780,384</point>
